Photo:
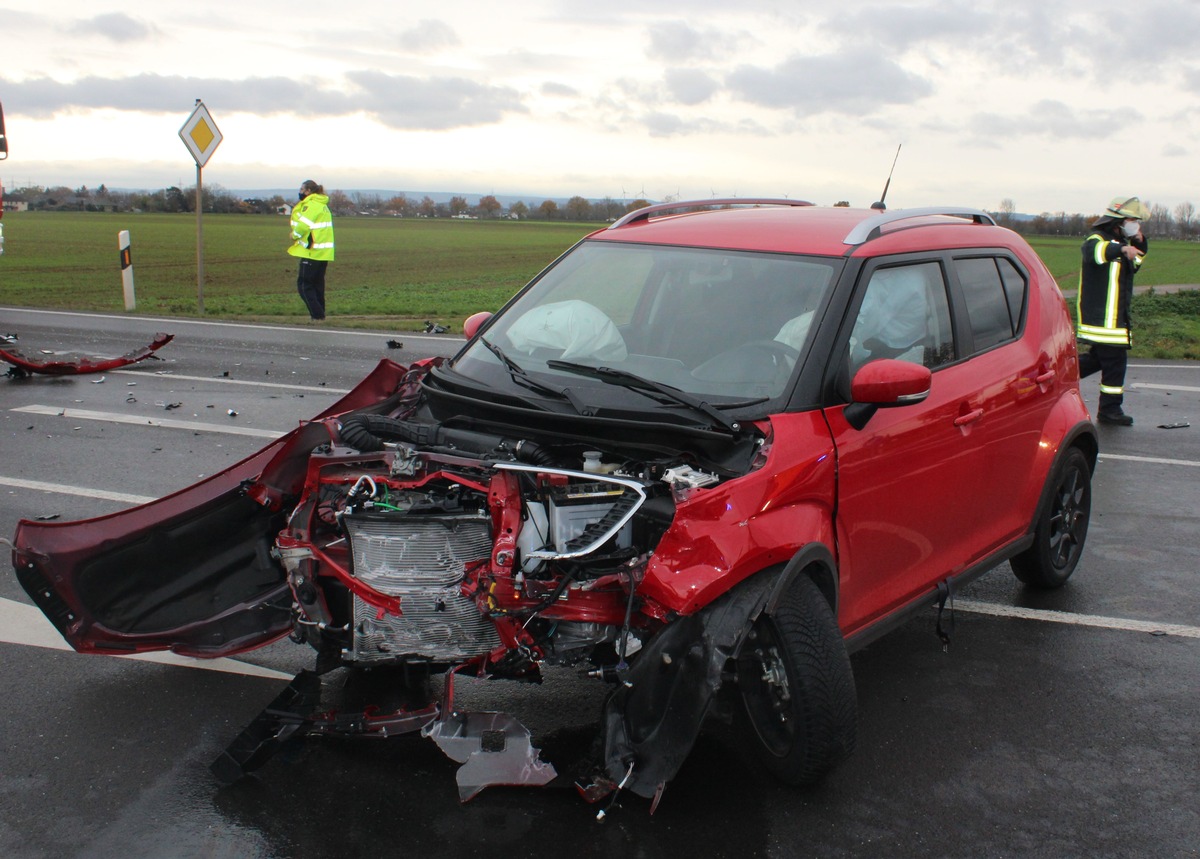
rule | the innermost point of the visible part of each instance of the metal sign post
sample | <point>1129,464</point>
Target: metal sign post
<point>202,137</point>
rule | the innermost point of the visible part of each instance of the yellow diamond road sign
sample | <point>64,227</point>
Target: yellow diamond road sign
<point>200,134</point>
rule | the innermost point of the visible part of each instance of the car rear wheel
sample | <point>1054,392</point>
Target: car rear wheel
<point>799,712</point>
<point>1062,528</point>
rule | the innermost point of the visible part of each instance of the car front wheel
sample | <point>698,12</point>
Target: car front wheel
<point>799,711</point>
<point>1061,528</point>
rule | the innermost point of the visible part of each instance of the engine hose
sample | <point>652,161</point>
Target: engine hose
<point>367,433</point>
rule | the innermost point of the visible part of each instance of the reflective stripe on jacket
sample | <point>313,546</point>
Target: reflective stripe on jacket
<point>312,229</point>
<point>1106,290</point>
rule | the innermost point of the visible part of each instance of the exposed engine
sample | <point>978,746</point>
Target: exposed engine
<point>473,549</point>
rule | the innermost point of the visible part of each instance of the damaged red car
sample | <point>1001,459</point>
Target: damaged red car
<point>706,454</point>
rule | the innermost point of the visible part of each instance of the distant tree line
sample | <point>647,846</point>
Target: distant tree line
<point>1181,222</point>
<point>1178,223</point>
<point>217,199</point>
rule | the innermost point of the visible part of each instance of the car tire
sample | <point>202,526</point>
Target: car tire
<point>799,713</point>
<point>1062,527</point>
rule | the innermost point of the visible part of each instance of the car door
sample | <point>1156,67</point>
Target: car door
<point>1018,377</point>
<point>912,485</point>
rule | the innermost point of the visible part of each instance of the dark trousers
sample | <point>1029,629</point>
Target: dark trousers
<point>311,285</point>
<point>1110,361</point>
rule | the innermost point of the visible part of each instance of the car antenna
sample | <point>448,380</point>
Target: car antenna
<point>881,206</point>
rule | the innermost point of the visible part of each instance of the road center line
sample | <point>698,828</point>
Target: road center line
<point>168,423</point>
<point>222,380</point>
<point>1154,459</point>
<point>25,624</point>
<point>1139,385</point>
<point>79,491</point>
<point>1118,623</point>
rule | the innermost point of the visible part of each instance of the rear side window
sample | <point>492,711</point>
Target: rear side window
<point>994,291</point>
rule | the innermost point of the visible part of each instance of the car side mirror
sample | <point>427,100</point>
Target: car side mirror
<point>474,322</point>
<point>886,383</point>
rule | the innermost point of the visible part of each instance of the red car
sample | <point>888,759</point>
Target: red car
<point>704,455</point>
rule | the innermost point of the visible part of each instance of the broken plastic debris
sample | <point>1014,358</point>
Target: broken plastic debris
<point>46,517</point>
<point>493,748</point>
<point>1176,425</point>
<point>98,381</point>
<point>170,406</point>
<point>231,413</point>
<point>131,399</point>
<point>395,344</point>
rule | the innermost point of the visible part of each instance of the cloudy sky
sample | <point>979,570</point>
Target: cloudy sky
<point>1057,106</point>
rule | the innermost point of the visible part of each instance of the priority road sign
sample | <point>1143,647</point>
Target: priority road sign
<point>200,134</point>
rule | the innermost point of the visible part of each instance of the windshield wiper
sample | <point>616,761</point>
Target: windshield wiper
<point>518,374</point>
<point>522,378</point>
<point>649,387</point>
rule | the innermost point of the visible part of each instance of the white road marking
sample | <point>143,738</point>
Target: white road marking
<point>168,423</point>
<point>1154,459</point>
<point>222,380</point>
<point>25,624</point>
<point>1118,623</point>
<point>82,491</point>
<point>341,333</point>
<point>1139,385</point>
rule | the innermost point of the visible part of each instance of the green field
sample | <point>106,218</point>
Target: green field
<point>396,273</point>
<point>389,272</point>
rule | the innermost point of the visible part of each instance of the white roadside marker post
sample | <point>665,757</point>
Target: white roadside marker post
<point>126,269</point>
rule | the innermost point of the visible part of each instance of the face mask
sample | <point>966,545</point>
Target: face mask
<point>302,195</point>
<point>1131,228</point>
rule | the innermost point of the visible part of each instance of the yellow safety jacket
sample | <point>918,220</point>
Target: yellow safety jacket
<point>1106,289</point>
<point>312,229</point>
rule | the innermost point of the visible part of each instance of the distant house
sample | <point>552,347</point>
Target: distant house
<point>285,209</point>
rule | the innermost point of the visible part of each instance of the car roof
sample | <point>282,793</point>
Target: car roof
<point>795,227</point>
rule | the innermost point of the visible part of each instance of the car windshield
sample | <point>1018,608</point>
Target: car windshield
<point>729,326</point>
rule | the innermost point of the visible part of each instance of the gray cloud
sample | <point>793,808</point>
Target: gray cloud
<point>114,26</point>
<point>1056,120</point>
<point>660,124</point>
<point>690,86</point>
<point>429,36</point>
<point>438,103</point>
<point>553,88</point>
<point>677,42</point>
<point>854,82</point>
<point>395,100</point>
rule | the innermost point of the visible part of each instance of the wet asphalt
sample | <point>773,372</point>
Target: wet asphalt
<point>1057,724</point>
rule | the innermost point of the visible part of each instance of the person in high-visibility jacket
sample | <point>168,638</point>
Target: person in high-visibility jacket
<point>1112,254</point>
<point>312,241</point>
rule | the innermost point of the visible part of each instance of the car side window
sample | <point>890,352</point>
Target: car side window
<point>905,315</point>
<point>994,292</point>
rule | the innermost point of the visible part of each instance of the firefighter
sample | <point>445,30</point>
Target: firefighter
<point>312,241</point>
<point>1112,254</point>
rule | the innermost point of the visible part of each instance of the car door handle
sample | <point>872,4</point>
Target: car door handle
<point>1045,377</point>
<point>968,418</point>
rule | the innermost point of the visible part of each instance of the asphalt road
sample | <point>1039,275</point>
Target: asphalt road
<point>1061,724</point>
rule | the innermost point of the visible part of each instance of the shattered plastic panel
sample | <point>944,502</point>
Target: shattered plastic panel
<point>493,748</point>
<point>83,363</point>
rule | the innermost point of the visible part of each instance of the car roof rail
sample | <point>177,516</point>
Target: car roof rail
<point>872,227</point>
<point>644,213</point>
